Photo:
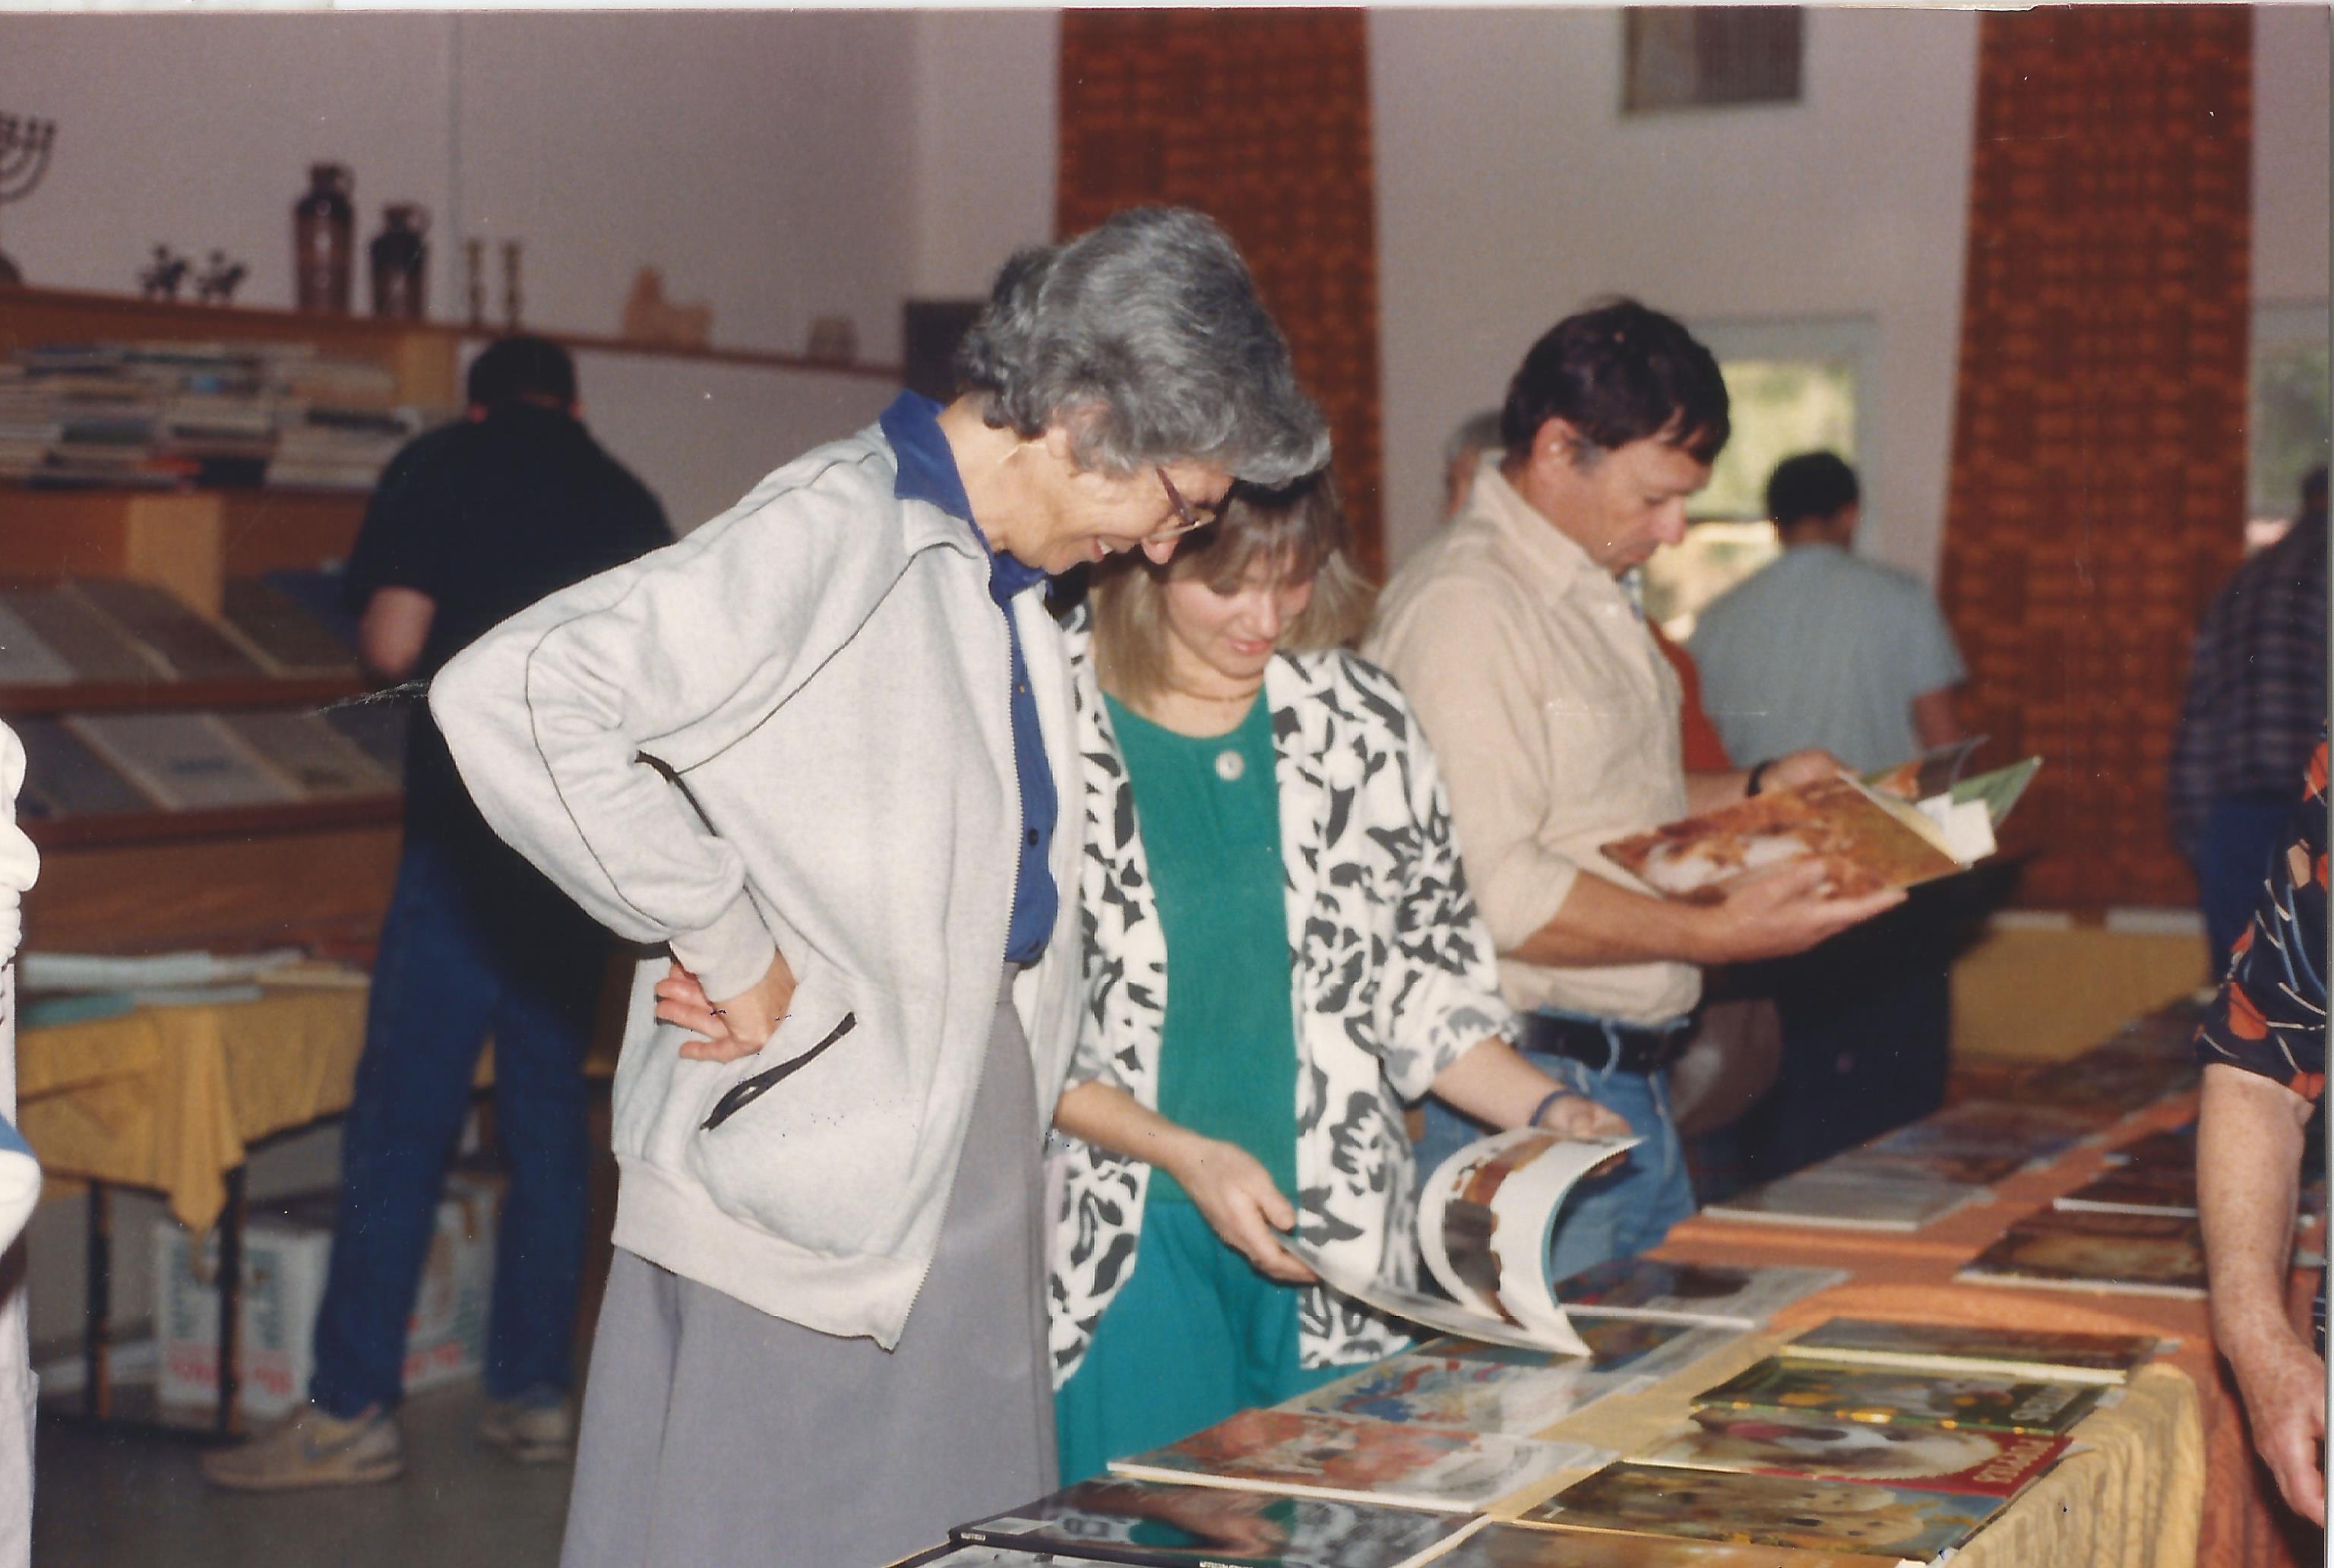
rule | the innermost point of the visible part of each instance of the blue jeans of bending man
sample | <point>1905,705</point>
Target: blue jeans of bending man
<point>1620,1215</point>
<point>475,943</point>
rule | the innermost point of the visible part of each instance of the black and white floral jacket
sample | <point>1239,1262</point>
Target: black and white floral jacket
<point>1393,980</point>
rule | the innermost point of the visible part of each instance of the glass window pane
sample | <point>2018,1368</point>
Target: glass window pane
<point>1779,408</point>
<point>2290,425</point>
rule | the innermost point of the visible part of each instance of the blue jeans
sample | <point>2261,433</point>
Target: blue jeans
<point>475,943</point>
<point>1615,1216</point>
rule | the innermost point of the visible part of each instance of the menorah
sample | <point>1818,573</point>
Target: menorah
<point>24,144</point>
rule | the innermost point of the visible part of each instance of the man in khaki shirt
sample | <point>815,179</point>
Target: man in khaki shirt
<point>1555,722</point>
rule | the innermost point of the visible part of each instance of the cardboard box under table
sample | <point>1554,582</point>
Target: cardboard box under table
<point>287,1248</point>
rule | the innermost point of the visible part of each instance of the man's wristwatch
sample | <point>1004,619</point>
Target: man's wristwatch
<point>1758,776</point>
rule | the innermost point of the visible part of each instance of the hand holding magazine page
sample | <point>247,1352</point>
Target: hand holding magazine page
<point>1484,1220</point>
<point>1868,835</point>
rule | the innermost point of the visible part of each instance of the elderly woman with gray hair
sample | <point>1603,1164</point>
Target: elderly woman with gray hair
<point>823,752</point>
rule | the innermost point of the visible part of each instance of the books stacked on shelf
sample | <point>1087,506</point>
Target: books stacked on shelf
<point>2121,1253</point>
<point>2031,1354</point>
<point>165,414</point>
<point>105,630</point>
<point>1305,1453</point>
<point>320,762</point>
<point>98,764</point>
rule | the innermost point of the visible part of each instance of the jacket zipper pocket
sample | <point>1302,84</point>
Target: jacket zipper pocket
<point>746,1091</point>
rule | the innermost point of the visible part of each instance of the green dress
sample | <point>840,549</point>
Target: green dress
<point>1197,1333</point>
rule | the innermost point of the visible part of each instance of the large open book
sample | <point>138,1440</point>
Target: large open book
<point>1484,1220</point>
<point>1869,837</point>
<point>1485,1217</point>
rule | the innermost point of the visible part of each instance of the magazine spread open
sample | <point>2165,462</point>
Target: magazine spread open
<point>1484,1220</point>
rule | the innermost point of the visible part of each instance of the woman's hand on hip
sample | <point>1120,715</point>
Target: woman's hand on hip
<point>1236,1196</point>
<point>733,1027</point>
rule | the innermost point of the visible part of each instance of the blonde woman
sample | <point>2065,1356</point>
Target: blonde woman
<point>1281,951</point>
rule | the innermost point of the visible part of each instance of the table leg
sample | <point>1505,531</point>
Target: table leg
<point>97,1314</point>
<point>230,1296</point>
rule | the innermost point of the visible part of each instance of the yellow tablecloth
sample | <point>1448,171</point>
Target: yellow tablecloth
<point>2133,1500</point>
<point>171,1098</point>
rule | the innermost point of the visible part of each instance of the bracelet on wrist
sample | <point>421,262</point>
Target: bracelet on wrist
<point>1540,1110</point>
<point>1758,776</point>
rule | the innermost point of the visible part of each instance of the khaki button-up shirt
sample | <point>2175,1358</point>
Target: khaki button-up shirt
<point>1555,719</point>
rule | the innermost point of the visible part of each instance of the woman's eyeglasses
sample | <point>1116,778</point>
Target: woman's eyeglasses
<point>1188,516</point>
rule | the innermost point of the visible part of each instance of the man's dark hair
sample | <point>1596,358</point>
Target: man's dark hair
<point>1617,373</point>
<point>521,369</point>
<point>2313,489</point>
<point>1811,486</point>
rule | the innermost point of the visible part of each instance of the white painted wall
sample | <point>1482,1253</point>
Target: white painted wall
<point>988,97</point>
<point>765,161</point>
<point>2292,54</point>
<point>1512,191</point>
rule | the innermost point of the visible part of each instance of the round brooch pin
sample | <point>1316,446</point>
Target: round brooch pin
<point>1230,765</point>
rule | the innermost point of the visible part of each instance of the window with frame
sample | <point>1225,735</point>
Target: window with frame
<point>2290,414</point>
<point>1792,387</point>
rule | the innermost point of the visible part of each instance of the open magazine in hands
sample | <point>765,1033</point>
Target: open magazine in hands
<point>1890,828</point>
<point>1484,1221</point>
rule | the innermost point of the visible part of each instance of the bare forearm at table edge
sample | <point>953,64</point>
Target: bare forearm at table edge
<point>2249,1140</point>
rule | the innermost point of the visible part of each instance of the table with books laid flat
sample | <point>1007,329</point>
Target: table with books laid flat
<point>1848,1369</point>
<point>171,1096</point>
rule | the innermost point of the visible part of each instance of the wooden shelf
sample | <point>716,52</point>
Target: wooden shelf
<point>31,315</point>
<point>123,696</point>
<point>272,821</point>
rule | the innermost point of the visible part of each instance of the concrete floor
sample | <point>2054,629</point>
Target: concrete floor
<point>107,1499</point>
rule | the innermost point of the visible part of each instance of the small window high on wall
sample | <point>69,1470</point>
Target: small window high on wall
<point>1708,56</point>
<point>1792,387</point>
<point>2292,414</point>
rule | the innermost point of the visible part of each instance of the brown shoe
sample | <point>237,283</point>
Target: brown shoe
<point>311,1448</point>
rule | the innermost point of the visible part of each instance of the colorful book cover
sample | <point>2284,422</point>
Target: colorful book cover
<point>1471,1394</point>
<point>1315,1455</point>
<point>1647,1348</point>
<point>1501,1545</point>
<point>1883,1394</point>
<point>2134,1254</point>
<point>1928,1458</point>
<point>1846,1200</point>
<point>2161,1189</point>
<point>1866,839</point>
<point>1792,1511</point>
<point>2110,1078</point>
<point>1112,1520</point>
<point>1978,1169</point>
<point>1693,1293</point>
<point>2168,1146</point>
<point>2037,1353</point>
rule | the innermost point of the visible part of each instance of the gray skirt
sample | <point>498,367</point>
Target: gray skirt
<point>714,1434</point>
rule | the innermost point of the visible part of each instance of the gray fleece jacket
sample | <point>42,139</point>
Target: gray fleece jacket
<point>791,729</point>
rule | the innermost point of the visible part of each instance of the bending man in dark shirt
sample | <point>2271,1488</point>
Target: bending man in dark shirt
<point>471,523</point>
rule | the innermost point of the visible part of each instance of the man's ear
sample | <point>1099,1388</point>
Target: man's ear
<point>1560,443</point>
